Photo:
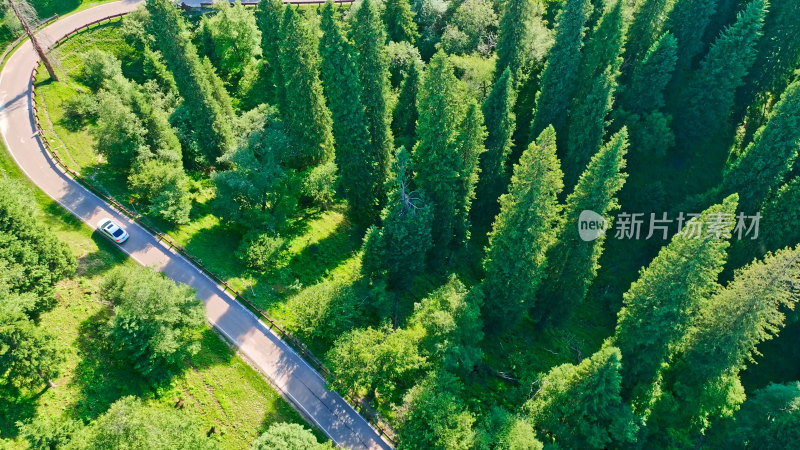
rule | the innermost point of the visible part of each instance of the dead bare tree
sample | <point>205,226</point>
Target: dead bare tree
<point>27,18</point>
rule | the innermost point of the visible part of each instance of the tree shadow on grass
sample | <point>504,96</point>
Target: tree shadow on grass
<point>214,351</point>
<point>102,378</point>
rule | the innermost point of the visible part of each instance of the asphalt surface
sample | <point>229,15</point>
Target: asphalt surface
<point>298,382</point>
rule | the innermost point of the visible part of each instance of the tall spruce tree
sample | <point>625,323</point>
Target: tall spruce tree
<point>764,163</point>
<point>307,118</point>
<point>703,381</point>
<point>572,263</point>
<point>777,53</point>
<point>513,38</point>
<point>369,36</point>
<point>688,21</point>
<point>594,95</point>
<point>581,407</point>
<point>399,20</point>
<point>269,14</point>
<point>659,305</point>
<point>404,119</point>
<point>711,93</point>
<point>437,157</point>
<point>210,114</point>
<point>770,418</point>
<point>522,233</point>
<point>342,89</point>
<point>646,25</point>
<point>470,147</point>
<point>397,250</point>
<point>498,112</point>
<point>558,81</point>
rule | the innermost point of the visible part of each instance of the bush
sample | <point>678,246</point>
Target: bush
<point>320,184</point>
<point>99,66</point>
<point>48,432</point>
<point>401,56</point>
<point>262,251</point>
<point>287,436</point>
<point>79,110</point>
<point>165,187</point>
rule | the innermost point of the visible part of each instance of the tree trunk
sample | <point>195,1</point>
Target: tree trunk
<point>30,32</point>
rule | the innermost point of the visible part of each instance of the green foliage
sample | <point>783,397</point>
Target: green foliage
<point>449,320</point>
<point>32,260</point>
<point>99,66</point>
<point>268,17</point>
<point>748,311</point>
<point>378,363</point>
<point>711,93</point>
<point>80,109</point>
<point>522,233</point>
<point>308,120</point>
<point>287,436</point>
<point>581,407</point>
<point>47,432</point>
<point>766,160</point>
<point>399,21</point>
<point>260,251</point>
<point>255,189</point>
<point>648,21</point>
<point>156,325</point>
<point>768,419</point>
<point>360,178</point>
<point>559,78</point>
<point>29,356</point>
<point>498,110</point>
<point>469,28</point>
<point>781,217</point>
<point>369,36</point>
<point>514,37</point>
<point>504,431</point>
<point>594,92</point>
<point>210,111</point>
<point>404,119</point>
<point>688,21</point>
<point>435,417</point>
<point>658,307</point>
<point>398,249</point>
<point>442,159</point>
<point>120,134</point>
<point>573,262</point>
<point>235,37</point>
<point>319,185</point>
<point>430,17</point>
<point>129,424</point>
<point>165,187</point>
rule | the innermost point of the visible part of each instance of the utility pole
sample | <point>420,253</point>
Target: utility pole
<point>30,32</point>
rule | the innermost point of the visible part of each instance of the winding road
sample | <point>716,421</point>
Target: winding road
<point>295,379</point>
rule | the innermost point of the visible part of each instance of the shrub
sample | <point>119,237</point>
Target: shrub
<point>261,251</point>
<point>80,109</point>
<point>320,184</point>
<point>99,66</point>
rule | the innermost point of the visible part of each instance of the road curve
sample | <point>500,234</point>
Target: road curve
<point>295,379</point>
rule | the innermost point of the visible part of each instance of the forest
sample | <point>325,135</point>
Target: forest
<point>403,184</point>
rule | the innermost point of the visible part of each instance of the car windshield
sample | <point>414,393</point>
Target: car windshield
<point>118,233</point>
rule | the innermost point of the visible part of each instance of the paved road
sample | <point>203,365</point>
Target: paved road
<point>295,379</point>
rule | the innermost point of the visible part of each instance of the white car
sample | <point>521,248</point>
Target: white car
<point>112,230</point>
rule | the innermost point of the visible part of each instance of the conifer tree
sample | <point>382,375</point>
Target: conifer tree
<point>770,418</point>
<point>581,407</point>
<point>195,82</point>
<point>470,144</point>
<point>572,262</point>
<point>778,53</point>
<point>596,84</point>
<point>307,118</point>
<point>711,93</point>
<point>523,231</point>
<point>645,92</point>
<point>498,112</point>
<point>369,36</point>
<point>342,89</point>
<point>703,382</point>
<point>398,249</point>
<point>437,158</point>
<point>766,160</point>
<point>404,119</point>
<point>687,21</point>
<point>646,26</point>
<point>513,37</point>
<point>269,14</point>
<point>558,81</point>
<point>399,20</point>
<point>659,305</point>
